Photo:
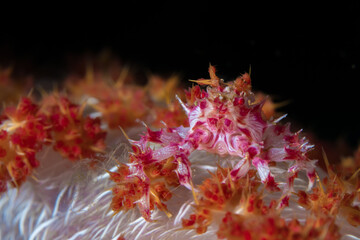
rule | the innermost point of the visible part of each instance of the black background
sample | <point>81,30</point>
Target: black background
<point>304,53</point>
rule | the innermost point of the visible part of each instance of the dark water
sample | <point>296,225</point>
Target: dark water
<point>307,54</point>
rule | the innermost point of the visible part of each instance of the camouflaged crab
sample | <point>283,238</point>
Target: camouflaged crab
<point>223,119</point>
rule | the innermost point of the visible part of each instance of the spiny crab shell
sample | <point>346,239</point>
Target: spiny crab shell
<point>224,120</point>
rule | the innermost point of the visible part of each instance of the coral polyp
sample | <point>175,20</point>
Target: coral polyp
<point>75,136</point>
<point>23,131</point>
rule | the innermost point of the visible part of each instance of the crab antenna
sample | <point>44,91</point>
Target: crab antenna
<point>186,109</point>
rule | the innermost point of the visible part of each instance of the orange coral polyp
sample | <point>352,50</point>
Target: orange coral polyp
<point>220,193</point>
<point>123,107</point>
<point>272,226</point>
<point>335,199</point>
<point>129,190</point>
<point>22,134</point>
<point>76,137</point>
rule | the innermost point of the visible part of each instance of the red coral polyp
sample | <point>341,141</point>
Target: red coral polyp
<point>143,186</point>
<point>332,199</point>
<point>272,226</point>
<point>123,108</point>
<point>23,133</point>
<point>75,136</point>
<point>219,194</point>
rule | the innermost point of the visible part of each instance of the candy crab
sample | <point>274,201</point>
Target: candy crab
<point>225,120</point>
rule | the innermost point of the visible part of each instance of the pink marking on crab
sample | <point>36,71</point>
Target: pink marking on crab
<point>284,202</point>
<point>142,156</point>
<point>153,136</point>
<point>238,101</point>
<point>253,151</point>
<point>164,136</point>
<point>144,204</point>
<point>171,136</point>
<point>165,152</point>
<point>270,183</point>
<point>184,171</point>
<point>262,168</point>
<point>237,144</point>
<point>228,125</point>
<point>240,169</point>
<point>203,104</point>
<point>289,187</point>
<point>276,154</point>
<point>311,174</point>
<point>308,166</point>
